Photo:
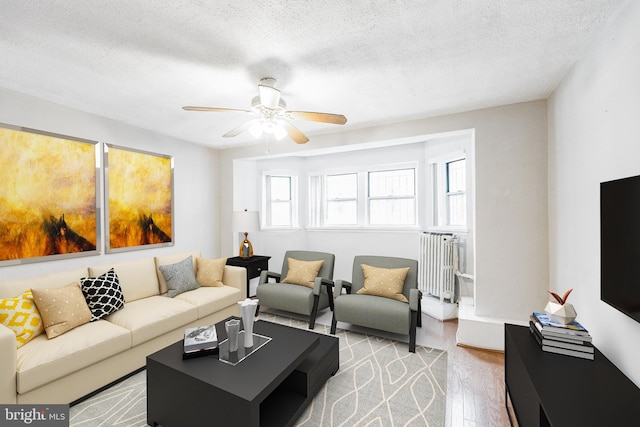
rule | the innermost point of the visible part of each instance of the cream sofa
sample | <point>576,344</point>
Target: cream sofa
<point>90,356</point>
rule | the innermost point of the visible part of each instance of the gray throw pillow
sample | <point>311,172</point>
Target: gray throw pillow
<point>180,277</point>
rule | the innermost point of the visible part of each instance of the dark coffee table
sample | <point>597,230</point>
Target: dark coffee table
<point>271,387</point>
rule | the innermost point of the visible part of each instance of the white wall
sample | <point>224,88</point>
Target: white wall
<point>511,226</point>
<point>195,185</point>
<point>594,136</point>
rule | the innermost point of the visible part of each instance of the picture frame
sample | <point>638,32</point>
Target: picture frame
<point>138,199</point>
<point>49,197</point>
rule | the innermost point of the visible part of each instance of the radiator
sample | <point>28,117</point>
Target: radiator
<point>437,265</point>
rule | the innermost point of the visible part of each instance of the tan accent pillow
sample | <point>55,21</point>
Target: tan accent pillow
<point>209,272</point>
<point>61,309</point>
<point>302,272</point>
<point>384,282</point>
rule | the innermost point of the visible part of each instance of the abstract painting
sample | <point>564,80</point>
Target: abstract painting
<point>48,196</point>
<point>139,199</point>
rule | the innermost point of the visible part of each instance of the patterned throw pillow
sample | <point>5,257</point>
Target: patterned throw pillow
<point>302,272</point>
<point>209,272</point>
<point>62,309</point>
<point>103,294</point>
<point>384,282</point>
<point>179,276</point>
<point>21,315</point>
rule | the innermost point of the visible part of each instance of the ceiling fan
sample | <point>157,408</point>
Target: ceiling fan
<point>273,116</point>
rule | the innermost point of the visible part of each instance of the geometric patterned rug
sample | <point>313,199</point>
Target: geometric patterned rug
<point>379,384</point>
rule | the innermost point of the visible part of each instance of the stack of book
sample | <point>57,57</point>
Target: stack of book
<point>200,341</point>
<point>571,339</point>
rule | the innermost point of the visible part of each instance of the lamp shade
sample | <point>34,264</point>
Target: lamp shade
<point>245,221</point>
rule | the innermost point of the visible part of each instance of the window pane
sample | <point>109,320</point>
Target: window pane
<point>457,209</point>
<point>280,188</point>
<point>392,212</point>
<point>280,214</point>
<point>342,186</point>
<point>392,183</point>
<point>456,176</point>
<point>342,212</point>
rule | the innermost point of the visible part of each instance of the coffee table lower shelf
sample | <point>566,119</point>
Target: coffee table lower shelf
<point>193,392</point>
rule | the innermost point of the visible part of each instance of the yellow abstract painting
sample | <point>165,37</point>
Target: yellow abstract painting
<point>47,195</point>
<point>140,198</point>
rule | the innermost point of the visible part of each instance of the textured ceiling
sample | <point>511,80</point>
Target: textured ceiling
<point>140,61</point>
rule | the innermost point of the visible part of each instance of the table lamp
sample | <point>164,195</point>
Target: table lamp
<point>244,222</point>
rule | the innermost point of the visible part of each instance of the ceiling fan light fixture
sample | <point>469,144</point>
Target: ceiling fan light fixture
<point>269,96</point>
<point>279,132</point>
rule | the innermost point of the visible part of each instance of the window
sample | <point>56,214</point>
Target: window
<point>380,197</point>
<point>342,199</point>
<point>392,197</point>
<point>450,196</point>
<point>456,196</point>
<point>279,207</point>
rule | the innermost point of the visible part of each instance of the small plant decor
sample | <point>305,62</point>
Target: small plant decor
<point>561,312</point>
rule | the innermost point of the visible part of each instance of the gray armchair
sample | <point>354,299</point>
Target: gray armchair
<point>378,312</point>
<point>298,298</point>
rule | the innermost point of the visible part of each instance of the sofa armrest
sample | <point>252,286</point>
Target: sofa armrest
<point>8,365</point>
<point>236,277</point>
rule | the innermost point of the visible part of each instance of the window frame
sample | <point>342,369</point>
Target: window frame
<point>267,201</point>
<point>318,208</point>
<point>441,194</point>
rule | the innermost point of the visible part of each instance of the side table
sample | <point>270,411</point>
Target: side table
<point>254,266</point>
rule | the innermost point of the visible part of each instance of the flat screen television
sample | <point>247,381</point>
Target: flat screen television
<point>620,245</point>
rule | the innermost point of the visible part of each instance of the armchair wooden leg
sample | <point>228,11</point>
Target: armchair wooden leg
<point>420,313</point>
<point>334,322</point>
<point>257,310</point>
<point>314,312</point>
<point>412,332</point>
<point>330,294</point>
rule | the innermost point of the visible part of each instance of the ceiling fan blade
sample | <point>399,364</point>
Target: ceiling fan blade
<point>336,119</point>
<point>239,129</point>
<point>297,136</point>
<point>213,109</point>
<point>269,96</point>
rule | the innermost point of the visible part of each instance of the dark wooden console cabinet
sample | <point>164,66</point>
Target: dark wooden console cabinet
<point>254,265</point>
<point>548,389</point>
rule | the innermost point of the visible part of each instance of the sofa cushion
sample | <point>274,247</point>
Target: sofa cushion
<point>62,308</point>
<point>209,272</point>
<point>21,315</point>
<point>150,317</point>
<point>179,277</point>
<point>302,272</point>
<point>44,360</point>
<point>172,259</point>
<point>103,294</point>
<point>138,279</point>
<point>209,300</point>
<point>13,287</point>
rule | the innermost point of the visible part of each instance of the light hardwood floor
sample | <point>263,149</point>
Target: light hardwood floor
<point>475,378</point>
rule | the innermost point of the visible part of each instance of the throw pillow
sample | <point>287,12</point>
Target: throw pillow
<point>209,272</point>
<point>384,282</point>
<point>21,315</point>
<point>179,277</point>
<point>103,294</point>
<point>62,309</point>
<point>302,272</point>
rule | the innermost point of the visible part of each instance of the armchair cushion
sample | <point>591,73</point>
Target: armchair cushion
<point>302,272</point>
<point>209,272</point>
<point>384,282</point>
